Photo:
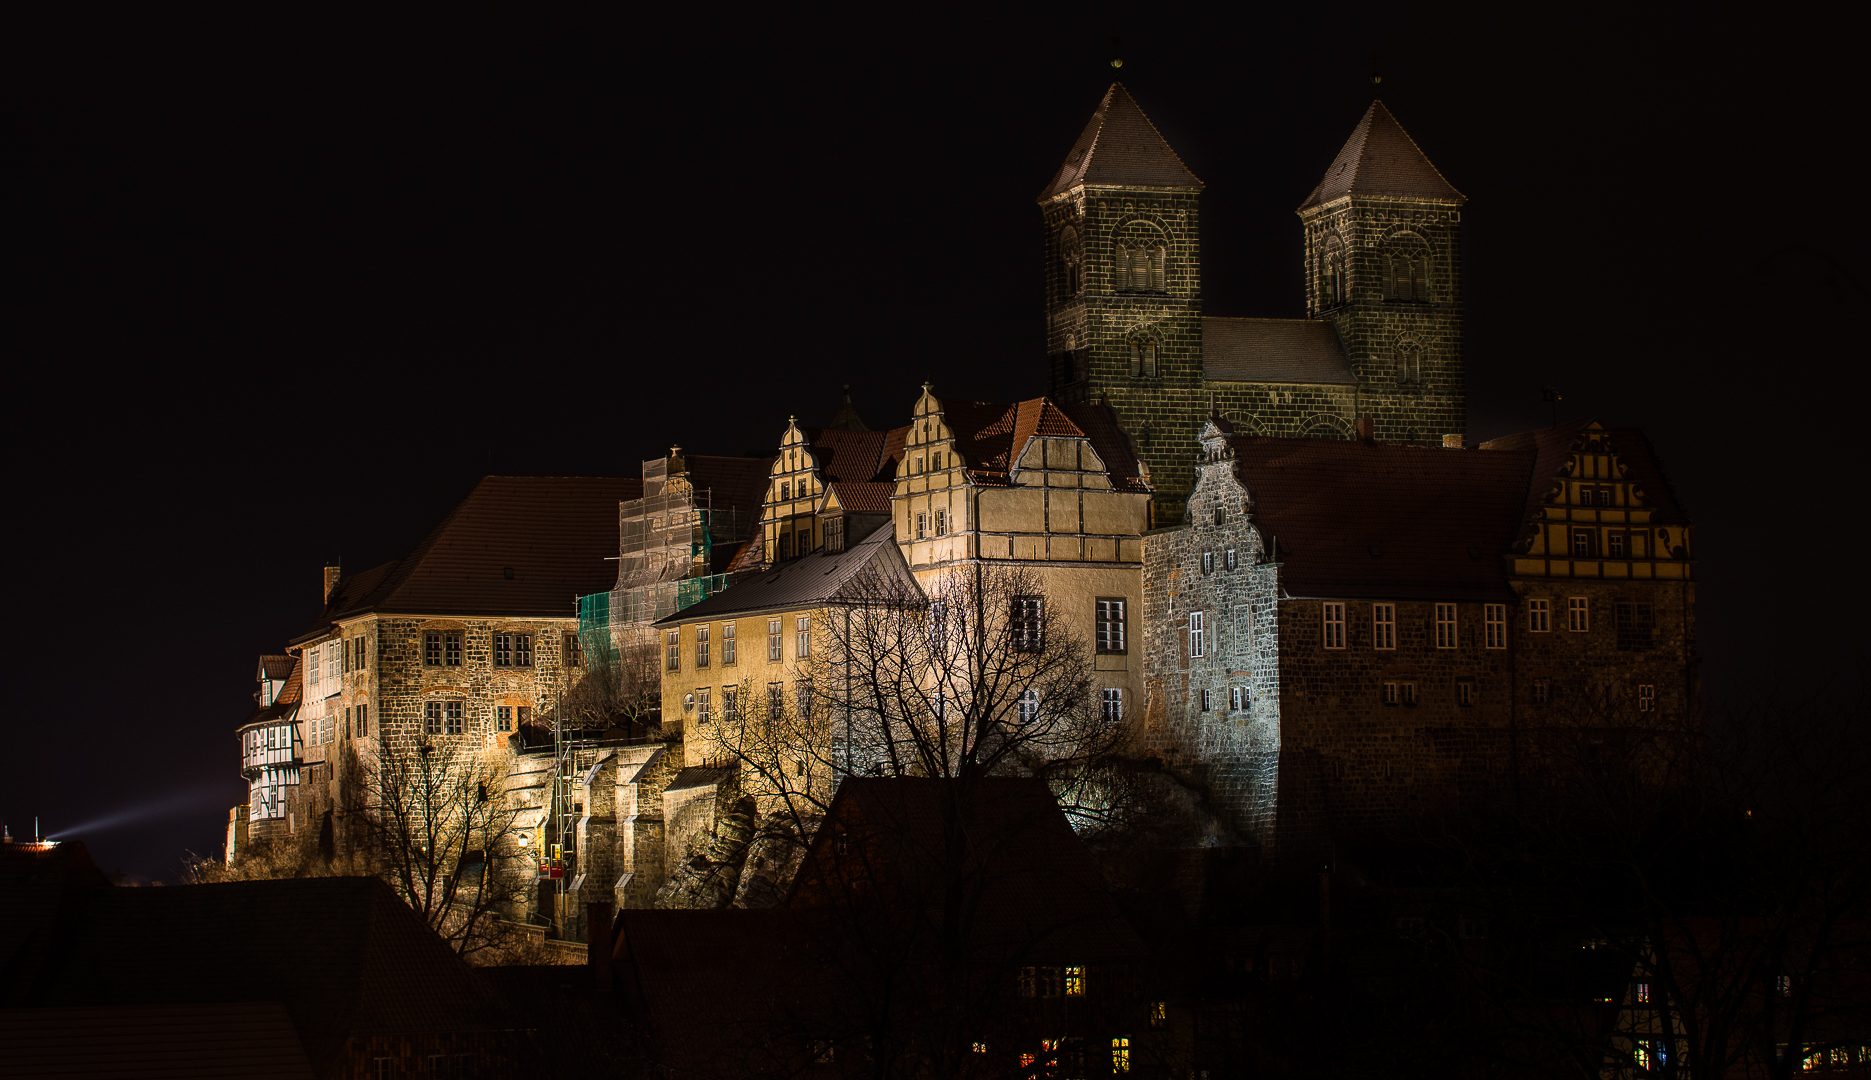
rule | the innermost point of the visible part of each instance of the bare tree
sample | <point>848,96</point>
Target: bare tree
<point>621,689</point>
<point>444,833</point>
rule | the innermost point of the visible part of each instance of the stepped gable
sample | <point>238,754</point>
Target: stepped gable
<point>1380,158</point>
<point>1303,351</point>
<point>1553,446</point>
<point>1120,147</point>
<point>1366,519</point>
<point>991,437</point>
<point>557,534</point>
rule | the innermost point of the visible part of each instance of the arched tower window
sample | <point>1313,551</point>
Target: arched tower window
<point>1406,269</point>
<point>1143,358</point>
<point>1073,258</point>
<point>1142,259</point>
<point>1409,362</point>
<point>1332,283</point>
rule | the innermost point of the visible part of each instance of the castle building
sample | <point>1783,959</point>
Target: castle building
<point>1343,636</point>
<point>1382,336</point>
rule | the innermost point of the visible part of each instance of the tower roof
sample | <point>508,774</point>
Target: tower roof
<point>1121,147</point>
<point>1380,158</point>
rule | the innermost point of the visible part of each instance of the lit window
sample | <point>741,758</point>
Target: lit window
<point>727,644</point>
<point>776,643</point>
<point>674,662</point>
<point>1159,1014</point>
<point>1641,994</point>
<point>980,1048</point>
<point>1029,705</point>
<point>1113,705</point>
<point>1334,625</point>
<point>1494,620</point>
<point>1464,692</point>
<point>701,646</point>
<point>1383,626</point>
<point>1075,982</point>
<point>802,636</point>
<point>1120,1055</point>
<point>1111,638</point>
<point>1196,634</point>
<point>1445,626</point>
<point>1539,616</point>
<point>1578,613</point>
<point>1646,698</point>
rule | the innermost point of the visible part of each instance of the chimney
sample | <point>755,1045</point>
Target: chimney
<point>1451,442</point>
<point>1367,429</point>
<point>598,928</point>
<point>332,574</point>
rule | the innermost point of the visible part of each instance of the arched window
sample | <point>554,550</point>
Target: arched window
<point>1406,271</point>
<point>1332,284</point>
<point>1409,362</point>
<point>1143,358</point>
<point>1142,260</point>
<point>1073,259</point>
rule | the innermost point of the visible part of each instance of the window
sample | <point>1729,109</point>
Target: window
<point>1539,616</point>
<point>1334,625</point>
<point>1205,699</point>
<point>1542,692</point>
<point>431,718</point>
<point>1390,693</point>
<point>1029,705</point>
<point>922,524</point>
<point>786,546</point>
<point>675,650</point>
<point>1075,982</point>
<point>1578,613</point>
<point>1494,624</point>
<point>1464,692</point>
<point>1614,545</point>
<point>941,522</point>
<point>383,1068</point>
<point>802,636</point>
<point>443,717</point>
<point>776,642</point>
<point>1445,626</point>
<point>1383,626</point>
<point>786,490</point>
<point>802,700</point>
<point>1641,993</point>
<point>363,719</point>
<point>1110,618</point>
<point>1410,363</point>
<point>1237,698</point>
<point>1584,543</point>
<point>1228,562</point>
<point>776,700</point>
<point>503,718</point>
<point>702,714</point>
<point>1646,698</point>
<point>1026,622</point>
<point>1143,358</point>
<point>834,535</point>
<point>727,644</point>
<point>1159,1014</point>
<point>431,654</point>
<point>1208,562</point>
<point>1783,985</point>
<point>728,702</point>
<point>1409,693</point>
<point>1113,705</point>
<point>701,646</point>
<point>1637,624</point>
<point>1196,634</point>
<point>513,650</point>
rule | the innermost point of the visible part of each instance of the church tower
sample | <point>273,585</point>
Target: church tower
<point>1124,277</point>
<point>1383,263</point>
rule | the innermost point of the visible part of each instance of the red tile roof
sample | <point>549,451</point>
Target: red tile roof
<point>856,456</point>
<point>274,668</point>
<point>1357,519</point>
<point>1274,351</point>
<point>867,498</point>
<point>1380,158</point>
<point>991,437</point>
<point>517,546</point>
<point>1120,146</point>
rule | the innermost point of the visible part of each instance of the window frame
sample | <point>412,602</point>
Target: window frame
<point>704,648</point>
<point>1027,705</point>
<point>776,640</point>
<point>1198,634</point>
<point>727,644</point>
<point>1384,627</point>
<point>1026,623</point>
<point>1646,697</point>
<point>802,636</point>
<point>1584,542</point>
<point>1494,626</point>
<point>1447,627</point>
<point>1102,622</point>
<point>673,660</point>
<point>941,521</point>
<point>1579,614</point>
<point>1332,624</point>
<point>1539,615</point>
<point>1111,704</point>
<point>1465,692</point>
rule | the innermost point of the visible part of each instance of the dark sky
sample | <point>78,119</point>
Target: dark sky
<point>285,286</point>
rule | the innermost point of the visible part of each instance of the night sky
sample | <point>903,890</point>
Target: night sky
<point>284,287</point>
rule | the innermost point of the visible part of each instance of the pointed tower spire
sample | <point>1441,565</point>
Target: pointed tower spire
<point>1121,147</point>
<point>1380,158</point>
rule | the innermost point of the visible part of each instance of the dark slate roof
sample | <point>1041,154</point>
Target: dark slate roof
<point>247,1040</point>
<point>733,483</point>
<point>1274,351</point>
<point>1121,147</point>
<point>1380,158</point>
<point>344,955</point>
<point>1368,519</point>
<point>1036,893</point>
<point>1552,446</point>
<point>558,534</point>
<point>991,437</point>
<point>823,577</point>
